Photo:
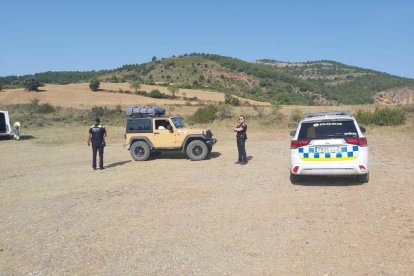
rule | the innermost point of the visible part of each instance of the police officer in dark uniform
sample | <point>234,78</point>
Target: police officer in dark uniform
<point>97,134</point>
<point>241,136</point>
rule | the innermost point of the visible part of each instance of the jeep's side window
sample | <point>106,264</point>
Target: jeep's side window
<point>161,124</point>
<point>139,126</point>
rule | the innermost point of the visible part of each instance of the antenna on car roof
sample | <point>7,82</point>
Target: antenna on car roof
<point>330,113</point>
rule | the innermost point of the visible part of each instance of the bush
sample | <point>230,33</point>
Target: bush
<point>157,94</point>
<point>382,116</point>
<point>97,111</point>
<point>229,99</point>
<point>31,84</point>
<point>45,108</point>
<point>94,85</point>
<point>296,116</point>
<point>224,112</point>
<point>205,114</point>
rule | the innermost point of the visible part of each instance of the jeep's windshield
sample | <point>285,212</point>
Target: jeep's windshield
<point>328,130</point>
<point>177,122</point>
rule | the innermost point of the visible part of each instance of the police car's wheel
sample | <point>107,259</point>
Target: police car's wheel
<point>363,178</point>
<point>197,150</point>
<point>140,151</point>
<point>294,178</point>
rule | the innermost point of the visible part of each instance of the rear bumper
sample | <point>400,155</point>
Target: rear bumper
<point>357,166</point>
<point>346,171</point>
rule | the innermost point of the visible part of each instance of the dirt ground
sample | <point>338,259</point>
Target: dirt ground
<point>172,216</point>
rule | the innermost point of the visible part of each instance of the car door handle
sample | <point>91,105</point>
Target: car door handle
<point>156,133</point>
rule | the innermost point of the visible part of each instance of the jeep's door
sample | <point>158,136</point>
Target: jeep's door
<point>163,137</point>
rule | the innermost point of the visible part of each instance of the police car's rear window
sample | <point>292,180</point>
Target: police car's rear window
<point>328,130</point>
<point>139,125</point>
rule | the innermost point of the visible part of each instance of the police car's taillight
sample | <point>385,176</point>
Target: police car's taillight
<point>362,142</point>
<point>294,144</point>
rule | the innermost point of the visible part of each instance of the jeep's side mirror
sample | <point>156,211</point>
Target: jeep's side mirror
<point>363,129</point>
<point>293,133</point>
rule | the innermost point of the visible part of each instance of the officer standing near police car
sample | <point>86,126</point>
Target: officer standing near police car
<point>97,134</point>
<point>241,137</point>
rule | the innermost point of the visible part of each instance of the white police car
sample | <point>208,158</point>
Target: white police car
<point>329,144</point>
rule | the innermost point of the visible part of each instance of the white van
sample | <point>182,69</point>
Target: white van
<point>5,128</point>
<point>330,144</point>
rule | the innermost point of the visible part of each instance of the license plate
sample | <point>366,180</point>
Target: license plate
<point>327,149</point>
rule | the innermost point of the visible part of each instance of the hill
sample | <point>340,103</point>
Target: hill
<point>308,83</point>
<point>341,82</point>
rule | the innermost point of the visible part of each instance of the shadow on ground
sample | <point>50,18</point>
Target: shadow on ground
<point>116,164</point>
<point>179,155</point>
<point>22,137</point>
<point>329,181</point>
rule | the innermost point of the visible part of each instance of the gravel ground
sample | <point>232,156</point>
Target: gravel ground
<point>172,216</point>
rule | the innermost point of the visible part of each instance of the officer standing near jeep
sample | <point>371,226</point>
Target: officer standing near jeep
<point>97,134</point>
<point>241,136</point>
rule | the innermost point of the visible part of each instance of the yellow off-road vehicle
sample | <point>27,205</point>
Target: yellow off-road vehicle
<point>150,132</point>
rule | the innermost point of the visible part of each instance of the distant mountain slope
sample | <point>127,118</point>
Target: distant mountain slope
<point>341,82</point>
<point>321,82</point>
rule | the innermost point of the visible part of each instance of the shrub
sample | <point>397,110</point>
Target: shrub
<point>205,114</point>
<point>382,116</point>
<point>229,99</point>
<point>94,85</point>
<point>31,84</point>
<point>157,94</point>
<point>45,108</point>
<point>224,112</point>
<point>114,79</point>
<point>296,116</point>
<point>135,85</point>
<point>97,111</point>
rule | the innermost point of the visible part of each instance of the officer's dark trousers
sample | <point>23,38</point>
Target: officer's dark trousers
<point>96,149</point>
<point>241,142</point>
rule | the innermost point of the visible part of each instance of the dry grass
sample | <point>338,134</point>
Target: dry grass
<point>80,96</point>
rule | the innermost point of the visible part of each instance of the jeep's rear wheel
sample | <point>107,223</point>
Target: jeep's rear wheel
<point>140,151</point>
<point>197,150</point>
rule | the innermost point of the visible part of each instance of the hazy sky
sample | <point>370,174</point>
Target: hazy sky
<point>45,35</point>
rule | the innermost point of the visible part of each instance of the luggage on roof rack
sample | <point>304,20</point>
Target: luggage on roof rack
<point>331,113</point>
<point>144,111</point>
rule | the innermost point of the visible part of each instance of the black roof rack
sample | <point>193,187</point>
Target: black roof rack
<point>145,111</point>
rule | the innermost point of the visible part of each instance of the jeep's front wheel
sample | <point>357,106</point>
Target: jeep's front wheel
<point>197,150</point>
<point>140,151</point>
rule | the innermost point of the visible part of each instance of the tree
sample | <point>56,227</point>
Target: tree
<point>31,84</point>
<point>94,85</point>
<point>173,90</point>
<point>154,59</point>
<point>135,85</point>
<point>229,99</point>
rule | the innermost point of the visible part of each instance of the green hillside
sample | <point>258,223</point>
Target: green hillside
<point>343,83</point>
<point>321,82</point>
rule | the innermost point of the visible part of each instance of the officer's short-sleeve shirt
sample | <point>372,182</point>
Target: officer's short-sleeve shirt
<point>242,133</point>
<point>97,135</point>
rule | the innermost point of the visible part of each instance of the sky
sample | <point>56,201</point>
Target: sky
<point>44,35</point>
